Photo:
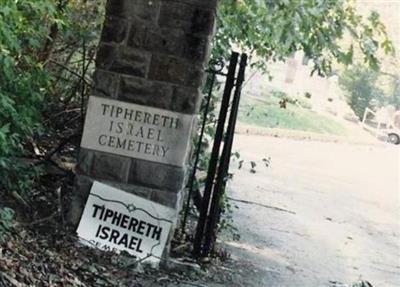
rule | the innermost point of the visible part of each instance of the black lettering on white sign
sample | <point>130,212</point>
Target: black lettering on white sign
<point>114,220</point>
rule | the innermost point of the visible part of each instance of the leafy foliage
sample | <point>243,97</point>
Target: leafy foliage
<point>6,222</point>
<point>46,50</point>
<point>394,96</point>
<point>362,91</point>
<point>23,79</point>
<point>273,30</point>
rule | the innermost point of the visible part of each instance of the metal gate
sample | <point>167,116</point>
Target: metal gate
<point>210,210</point>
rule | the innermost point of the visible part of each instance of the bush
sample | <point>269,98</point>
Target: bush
<point>24,27</point>
<point>360,86</point>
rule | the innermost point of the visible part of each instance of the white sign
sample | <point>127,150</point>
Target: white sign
<point>115,220</point>
<point>137,131</point>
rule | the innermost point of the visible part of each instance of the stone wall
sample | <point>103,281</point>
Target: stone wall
<point>152,53</point>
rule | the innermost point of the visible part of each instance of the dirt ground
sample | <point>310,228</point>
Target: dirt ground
<point>322,213</point>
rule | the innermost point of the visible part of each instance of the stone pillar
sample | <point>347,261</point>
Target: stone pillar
<point>151,53</point>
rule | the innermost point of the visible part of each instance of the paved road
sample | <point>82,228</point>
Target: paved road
<point>344,213</point>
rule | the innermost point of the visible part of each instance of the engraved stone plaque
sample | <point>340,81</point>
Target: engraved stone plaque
<point>137,131</point>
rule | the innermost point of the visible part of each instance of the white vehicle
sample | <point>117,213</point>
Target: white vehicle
<point>384,123</point>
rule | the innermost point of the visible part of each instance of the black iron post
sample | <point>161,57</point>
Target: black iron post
<point>223,168</point>
<point>198,241</point>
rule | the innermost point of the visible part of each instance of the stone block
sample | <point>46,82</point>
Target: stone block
<point>147,10</point>
<point>196,47</point>
<point>83,185</point>
<point>78,199</point>
<point>133,189</point>
<point>192,19</point>
<point>132,62</point>
<point>156,175</point>
<point>106,55</point>
<point>176,43</point>
<point>144,92</point>
<point>185,100</point>
<point>144,9</point>
<point>210,4</point>
<point>75,210</point>
<point>175,70</point>
<point>106,84</point>
<point>114,30</point>
<point>123,60</point>
<point>202,22</point>
<point>110,167</point>
<point>85,161</point>
<point>170,199</point>
<point>137,34</point>
<point>116,8</point>
<point>169,41</point>
<point>180,200</point>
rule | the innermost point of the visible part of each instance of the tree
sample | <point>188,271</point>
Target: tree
<point>360,85</point>
<point>394,93</point>
<point>275,29</point>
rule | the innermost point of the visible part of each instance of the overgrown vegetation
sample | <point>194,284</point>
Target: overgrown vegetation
<point>47,53</point>
<point>24,82</point>
<point>42,51</point>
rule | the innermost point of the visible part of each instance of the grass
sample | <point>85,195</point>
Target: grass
<point>267,113</point>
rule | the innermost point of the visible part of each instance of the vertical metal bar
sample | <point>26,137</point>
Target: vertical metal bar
<point>223,168</point>
<point>83,88</point>
<point>215,154</point>
<point>198,149</point>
